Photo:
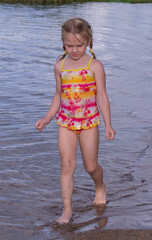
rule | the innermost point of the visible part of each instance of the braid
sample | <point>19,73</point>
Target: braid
<point>62,56</point>
<point>91,45</point>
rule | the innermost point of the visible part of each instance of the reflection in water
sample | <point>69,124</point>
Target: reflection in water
<point>29,161</point>
<point>102,221</point>
<point>98,221</point>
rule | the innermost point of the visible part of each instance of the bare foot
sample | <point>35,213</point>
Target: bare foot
<point>100,196</point>
<point>66,216</point>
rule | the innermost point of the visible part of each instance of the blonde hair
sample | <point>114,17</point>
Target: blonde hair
<point>78,26</point>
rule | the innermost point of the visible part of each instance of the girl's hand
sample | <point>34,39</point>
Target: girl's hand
<point>110,133</point>
<point>40,124</point>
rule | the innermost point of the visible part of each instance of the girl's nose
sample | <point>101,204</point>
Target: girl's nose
<point>74,49</point>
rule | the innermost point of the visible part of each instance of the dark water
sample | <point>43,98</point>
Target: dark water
<point>29,161</point>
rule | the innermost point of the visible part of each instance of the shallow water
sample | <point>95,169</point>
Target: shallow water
<point>29,161</point>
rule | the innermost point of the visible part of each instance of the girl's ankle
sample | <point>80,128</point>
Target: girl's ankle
<point>67,209</point>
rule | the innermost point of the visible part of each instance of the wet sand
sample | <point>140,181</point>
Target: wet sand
<point>114,235</point>
<point>118,234</point>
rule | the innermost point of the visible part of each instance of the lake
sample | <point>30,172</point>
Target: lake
<point>30,197</point>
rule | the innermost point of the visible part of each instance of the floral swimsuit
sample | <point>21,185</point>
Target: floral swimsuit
<point>78,108</point>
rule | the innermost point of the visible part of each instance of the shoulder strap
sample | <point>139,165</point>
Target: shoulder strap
<point>89,62</point>
<point>62,64</point>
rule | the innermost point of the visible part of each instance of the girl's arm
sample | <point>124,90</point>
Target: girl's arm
<point>102,98</point>
<point>55,104</point>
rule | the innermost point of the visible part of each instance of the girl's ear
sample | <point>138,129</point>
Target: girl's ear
<point>88,44</point>
<point>89,41</point>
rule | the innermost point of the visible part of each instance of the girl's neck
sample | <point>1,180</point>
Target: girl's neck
<point>75,64</point>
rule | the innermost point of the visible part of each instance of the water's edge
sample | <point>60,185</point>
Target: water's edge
<point>47,2</point>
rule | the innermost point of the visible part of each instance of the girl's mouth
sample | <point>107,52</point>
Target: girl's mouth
<point>75,54</point>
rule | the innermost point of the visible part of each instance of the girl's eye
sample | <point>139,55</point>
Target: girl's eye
<point>70,46</point>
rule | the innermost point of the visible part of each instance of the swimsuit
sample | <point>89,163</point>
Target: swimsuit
<point>78,108</point>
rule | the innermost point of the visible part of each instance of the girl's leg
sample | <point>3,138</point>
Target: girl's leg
<point>67,141</point>
<point>89,144</point>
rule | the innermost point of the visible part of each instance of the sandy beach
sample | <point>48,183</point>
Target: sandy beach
<point>114,235</point>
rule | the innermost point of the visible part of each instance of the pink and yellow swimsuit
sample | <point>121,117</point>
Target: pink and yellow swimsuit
<point>78,108</point>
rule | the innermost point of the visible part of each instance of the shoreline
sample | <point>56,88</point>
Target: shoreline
<point>51,2</point>
<point>118,234</point>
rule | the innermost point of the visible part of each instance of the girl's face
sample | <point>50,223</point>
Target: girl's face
<point>75,45</point>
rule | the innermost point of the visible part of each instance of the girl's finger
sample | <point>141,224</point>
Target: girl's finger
<point>37,124</point>
<point>113,135</point>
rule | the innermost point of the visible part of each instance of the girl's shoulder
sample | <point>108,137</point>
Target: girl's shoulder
<point>58,66</point>
<point>96,65</point>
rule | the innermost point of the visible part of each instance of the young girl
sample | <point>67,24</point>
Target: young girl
<point>80,83</point>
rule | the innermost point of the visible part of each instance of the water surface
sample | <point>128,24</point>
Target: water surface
<point>29,161</point>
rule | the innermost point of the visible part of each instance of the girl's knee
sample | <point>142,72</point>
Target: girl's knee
<point>92,169</point>
<point>68,167</point>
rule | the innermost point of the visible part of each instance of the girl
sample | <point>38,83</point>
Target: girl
<point>80,83</point>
